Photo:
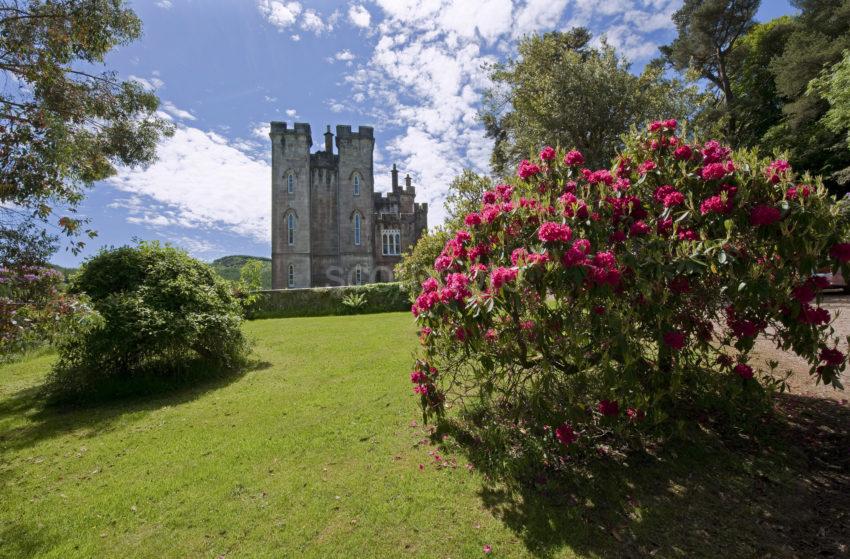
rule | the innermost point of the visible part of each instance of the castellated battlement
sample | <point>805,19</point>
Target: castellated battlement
<point>329,226</point>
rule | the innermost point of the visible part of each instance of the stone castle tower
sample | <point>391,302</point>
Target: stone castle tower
<point>329,226</point>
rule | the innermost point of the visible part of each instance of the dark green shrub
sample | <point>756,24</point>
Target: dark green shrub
<point>160,313</point>
<point>327,301</point>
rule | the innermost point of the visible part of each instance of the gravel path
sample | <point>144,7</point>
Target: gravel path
<point>801,382</point>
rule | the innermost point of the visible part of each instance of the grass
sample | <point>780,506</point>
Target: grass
<point>316,452</point>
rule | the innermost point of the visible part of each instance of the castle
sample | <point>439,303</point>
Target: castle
<point>329,226</point>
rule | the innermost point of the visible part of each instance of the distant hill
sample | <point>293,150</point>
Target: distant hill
<point>228,267</point>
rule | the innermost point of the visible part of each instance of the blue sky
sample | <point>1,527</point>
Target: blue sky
<point>413,69</point>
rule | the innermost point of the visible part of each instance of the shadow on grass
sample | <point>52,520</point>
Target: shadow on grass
<point>97,415</point>
<point>784,494</point>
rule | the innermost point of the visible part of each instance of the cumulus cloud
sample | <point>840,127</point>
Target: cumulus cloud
<point>358,15</point>
<point>200,181</point>
<point>176,112</point>
<point>428,68</point>
<point>151,84</point>
<point>291,113</point>
<point>164,4</point>
<point>280,14</point>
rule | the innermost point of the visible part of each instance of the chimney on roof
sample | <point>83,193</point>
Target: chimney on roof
<point>329,140</point>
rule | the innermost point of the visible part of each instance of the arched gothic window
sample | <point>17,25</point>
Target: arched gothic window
<point>356,185</point>
<point>357,229</point>
<point>290,229</point>
<point>290,183</point>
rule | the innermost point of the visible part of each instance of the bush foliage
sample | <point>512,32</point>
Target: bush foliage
<point>327,301</point>
<point>577,306</point>
<point>158,313</point>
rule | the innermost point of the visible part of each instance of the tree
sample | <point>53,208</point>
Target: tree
<point>708,34</point>
<point>757,103</point>
<point>834,86</point>
<point>819,36</point>
<point>63,123</point>
<point>580,308</point>
<point>561,91</point>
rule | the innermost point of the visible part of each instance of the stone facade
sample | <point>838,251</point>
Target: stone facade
<point>329,226</point>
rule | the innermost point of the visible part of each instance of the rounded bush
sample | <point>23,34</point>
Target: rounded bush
<point>159,312</point>
<point>577,304</point>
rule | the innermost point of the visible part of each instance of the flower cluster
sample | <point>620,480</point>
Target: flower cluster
<point>581,290</point>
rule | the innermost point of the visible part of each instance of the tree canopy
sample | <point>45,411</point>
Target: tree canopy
<point>65,121</point>
<point>562,91</point>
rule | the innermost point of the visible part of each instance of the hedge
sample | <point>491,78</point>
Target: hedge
<point>326,301</point>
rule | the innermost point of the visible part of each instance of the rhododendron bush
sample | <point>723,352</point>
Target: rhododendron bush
<point>581,302</point>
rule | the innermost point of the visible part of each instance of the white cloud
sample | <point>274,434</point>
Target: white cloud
<point>261,131</point>
<point>201,181</point>
<point>425,76</point>
<point>278,13</point>
<point>312,21</point>
<point>164,4</point>
<point>176,112</point>
<point>292,113</point>
<point>151,84</point>
<point>358,15</point>
<point>345,55</point>
<point>295,37</point>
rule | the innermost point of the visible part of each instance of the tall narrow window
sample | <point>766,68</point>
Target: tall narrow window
<point>290,183</point>
<point>356,229</point>
<point>290,228</point>
<point>358,275</point>
<point>357,185</point>
<point>290,278</point>
<point>398,243</point>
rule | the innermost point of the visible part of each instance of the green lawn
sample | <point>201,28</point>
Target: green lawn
<point>313,453</point>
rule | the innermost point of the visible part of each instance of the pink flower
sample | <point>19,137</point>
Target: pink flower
<point>803,191</point>
<point>547,153</point>
<point>777,170</point>
<point>688,235</point>
<point>840,251</point>
<point>490,335</point>
<point>552,232</point>
<point>527,169</point>
<point>831,357</point>
<point>472,219</point>
<point>674,339</point>
<point>670,124</point>
<point>764,215</point>
<point>490,197</point>
<point>668,196</point>
<point>655,125</point>
<point>814,315</point>
<point>461,334</point>
<point>429,285</point>
<point>712,152</point>
<point>573,157</point>
<point>442,263</point>
<point>639,228</point>
<point>743,370</point>
<point>602,175</point>
<point>576,254</point>
<point>716,171</point>
<point>646,166</point>
<point>608,408</point>
<point>565,434</point>
<point>635,414</point>
<point>500,276</point>
<point>683,152</point>
<point>715,204</point>
<point>418,377</point>
<point>487,549</point>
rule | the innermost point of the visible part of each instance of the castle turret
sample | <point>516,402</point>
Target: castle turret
<point>395,177</point>
<point>290,204</point>
<point>329,140</point>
